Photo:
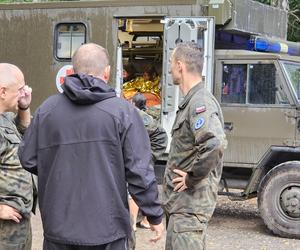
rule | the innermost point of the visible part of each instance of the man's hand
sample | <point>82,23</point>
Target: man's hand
<point>9,213</point>
<point>179,182</point>
<point>159,229</point>
<point>25,97</point>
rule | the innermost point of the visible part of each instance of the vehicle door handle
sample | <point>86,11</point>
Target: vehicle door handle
<point>228,126</point>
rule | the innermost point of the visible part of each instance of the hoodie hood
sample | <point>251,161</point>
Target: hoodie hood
<point>84,89</point>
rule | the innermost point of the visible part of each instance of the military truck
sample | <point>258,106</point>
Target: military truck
<point>259,92</point>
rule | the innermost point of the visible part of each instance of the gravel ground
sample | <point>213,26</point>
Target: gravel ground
<point>235,225</point>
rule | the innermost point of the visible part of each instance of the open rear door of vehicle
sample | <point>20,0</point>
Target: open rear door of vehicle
<point>197,29</point>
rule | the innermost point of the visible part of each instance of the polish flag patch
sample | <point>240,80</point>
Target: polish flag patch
<point>200,109</point>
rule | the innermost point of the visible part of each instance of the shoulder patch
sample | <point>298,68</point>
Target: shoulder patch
<point>201,109</point>
<point>199,123</point>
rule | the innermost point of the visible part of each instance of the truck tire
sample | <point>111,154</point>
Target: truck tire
<point>279,199</point>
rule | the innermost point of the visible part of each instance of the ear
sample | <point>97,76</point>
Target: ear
<point>106,73</point>
<point>180,65</point>
<point>2,92</point>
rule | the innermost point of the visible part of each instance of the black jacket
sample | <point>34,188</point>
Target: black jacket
<point>84,145</point>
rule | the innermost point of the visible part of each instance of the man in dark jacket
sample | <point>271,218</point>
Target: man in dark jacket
<point>84,145</point>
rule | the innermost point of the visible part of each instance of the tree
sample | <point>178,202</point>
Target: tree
<point>294,20</point>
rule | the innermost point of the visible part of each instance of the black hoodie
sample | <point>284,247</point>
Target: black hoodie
<point>84,145</point>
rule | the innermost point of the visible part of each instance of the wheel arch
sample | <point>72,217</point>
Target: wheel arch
<point>274,157</point>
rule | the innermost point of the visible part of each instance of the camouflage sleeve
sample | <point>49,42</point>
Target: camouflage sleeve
<point>21,128</point>
<point>158,140</point>
<point>157,135</point>
<point>15,119</point>
<point>140,176</point>
<point>208,132</point>
<point>28,147</point>
<point>2,145</point>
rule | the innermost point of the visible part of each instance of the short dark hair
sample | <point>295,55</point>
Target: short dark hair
<point>130,69</point>
<point>191,55</point>
<point>139,100</point>
<point>151,71</point>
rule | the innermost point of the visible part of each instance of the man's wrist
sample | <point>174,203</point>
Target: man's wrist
<point>23,108</point>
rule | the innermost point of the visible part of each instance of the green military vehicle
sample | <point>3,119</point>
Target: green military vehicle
<point>259,92</point>
<point>262,123</point>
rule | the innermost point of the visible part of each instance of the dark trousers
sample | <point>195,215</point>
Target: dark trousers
<point>120,244</point>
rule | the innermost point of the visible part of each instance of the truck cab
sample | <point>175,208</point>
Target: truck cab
<point>259,96</point>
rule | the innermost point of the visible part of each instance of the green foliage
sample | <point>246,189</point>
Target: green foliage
<point>14,1</point>
<point>294,21</point>
<point>264,1</point>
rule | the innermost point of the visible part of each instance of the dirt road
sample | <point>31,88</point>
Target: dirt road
<point>235,225</point>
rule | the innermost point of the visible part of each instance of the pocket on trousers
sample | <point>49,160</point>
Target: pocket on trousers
<point>188,233</point>
<point>188,224</point>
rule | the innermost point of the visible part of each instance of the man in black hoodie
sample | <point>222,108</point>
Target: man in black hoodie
<point>85,145</point>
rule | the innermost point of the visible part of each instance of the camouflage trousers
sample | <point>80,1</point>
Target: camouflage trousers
<point>185,231</point>
<point>15,236</point>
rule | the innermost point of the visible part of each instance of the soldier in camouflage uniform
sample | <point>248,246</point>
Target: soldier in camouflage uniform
<point>159,141</point>
<point>158,136</point>
<point>194,165</point>
<point>154,111</point>
<point>16,189</point>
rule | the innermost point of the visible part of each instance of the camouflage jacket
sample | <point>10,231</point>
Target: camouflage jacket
<point>154,111</point>
<point>16,188</point>
<point>198,142</point>
<point>157,135</point>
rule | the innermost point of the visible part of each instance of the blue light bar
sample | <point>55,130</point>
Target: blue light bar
<point>271,45</point>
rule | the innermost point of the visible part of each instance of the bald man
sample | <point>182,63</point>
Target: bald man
<point>85,145</point>
<point>16,188</point>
